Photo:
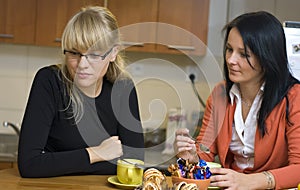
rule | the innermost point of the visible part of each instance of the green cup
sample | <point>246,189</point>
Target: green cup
<point>128,173</point>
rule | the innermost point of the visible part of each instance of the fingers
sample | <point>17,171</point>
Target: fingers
<point>112,143</point>
<point>114,137</point>
<point>222,171</point>
<point>186,148</point>
<point>221,184</point>
<point>113,140</point>
<point>114,148</point>
<point>116,143</point>
<point>182,131</point>
<point>184,145</point>
<point>184,139</point>
<point>109,149</point>
<point>119,151</point>
<point>182,135</point>
<point>219,177</point>
<point>183,142</point>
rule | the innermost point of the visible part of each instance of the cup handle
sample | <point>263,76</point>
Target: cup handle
<point>129,174</point>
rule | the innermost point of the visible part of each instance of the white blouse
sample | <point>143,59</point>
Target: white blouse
<point>243,133</point>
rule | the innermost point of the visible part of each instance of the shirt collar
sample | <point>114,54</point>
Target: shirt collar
<point>235,92</point>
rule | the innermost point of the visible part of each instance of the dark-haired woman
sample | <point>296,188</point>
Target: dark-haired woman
<point>251,121</point>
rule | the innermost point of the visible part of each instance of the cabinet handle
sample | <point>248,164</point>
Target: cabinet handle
<point>189,48</point>
<point>6,36</point>
<point>57,40</point>
<point>133,44</point>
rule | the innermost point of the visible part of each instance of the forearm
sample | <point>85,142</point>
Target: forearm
<point>263,180</point>
<point>51,164</point>
<point>286,177</point>
<point>93,155</point>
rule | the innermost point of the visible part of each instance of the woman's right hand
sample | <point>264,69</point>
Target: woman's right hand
<point>109,149</point>
<point>184,146</point>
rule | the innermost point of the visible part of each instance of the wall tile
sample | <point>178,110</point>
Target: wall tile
<point>39,57</point>
<point>13,60</point>
<point>13,94</point>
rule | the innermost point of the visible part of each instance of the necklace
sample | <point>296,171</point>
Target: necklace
<point>246,103</point>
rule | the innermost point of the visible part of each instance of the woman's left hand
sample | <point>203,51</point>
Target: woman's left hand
<point>230,179</point>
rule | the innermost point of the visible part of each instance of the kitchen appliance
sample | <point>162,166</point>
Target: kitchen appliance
<point>292,34</point>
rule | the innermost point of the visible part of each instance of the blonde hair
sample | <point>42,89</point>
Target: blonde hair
<point>92,28</point>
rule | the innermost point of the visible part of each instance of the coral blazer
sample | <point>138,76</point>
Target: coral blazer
<point>278,151</point>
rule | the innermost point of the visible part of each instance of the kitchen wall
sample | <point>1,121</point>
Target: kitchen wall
<point>18,65</point>
<point>161,80</point>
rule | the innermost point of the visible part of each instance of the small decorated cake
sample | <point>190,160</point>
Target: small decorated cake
<point>190,176</point>
<point>188,170</point>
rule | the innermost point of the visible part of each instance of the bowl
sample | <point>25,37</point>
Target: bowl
<point>202,184</point>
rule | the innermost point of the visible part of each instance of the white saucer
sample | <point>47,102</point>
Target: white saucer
<point>114,180</point>
<point>211,188</point>
<point>213,165</point>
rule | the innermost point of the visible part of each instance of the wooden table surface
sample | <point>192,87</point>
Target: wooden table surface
<point>11,180</point>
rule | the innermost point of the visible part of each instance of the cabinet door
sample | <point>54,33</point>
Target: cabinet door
<point>52,17</point>
<point>17,21</point>
<point>137,22</point>
<point>188,27</point>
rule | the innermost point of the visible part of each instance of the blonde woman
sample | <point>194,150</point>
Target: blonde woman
<point>82,115</point>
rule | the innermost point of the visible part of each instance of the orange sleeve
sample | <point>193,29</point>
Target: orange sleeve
<point>212,121</point>
<point>289,176</point>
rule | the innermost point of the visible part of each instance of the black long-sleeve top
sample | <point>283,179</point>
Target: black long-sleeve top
<point>52,144</point>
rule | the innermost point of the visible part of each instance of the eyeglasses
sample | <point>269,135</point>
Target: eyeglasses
<point>92,57</point>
